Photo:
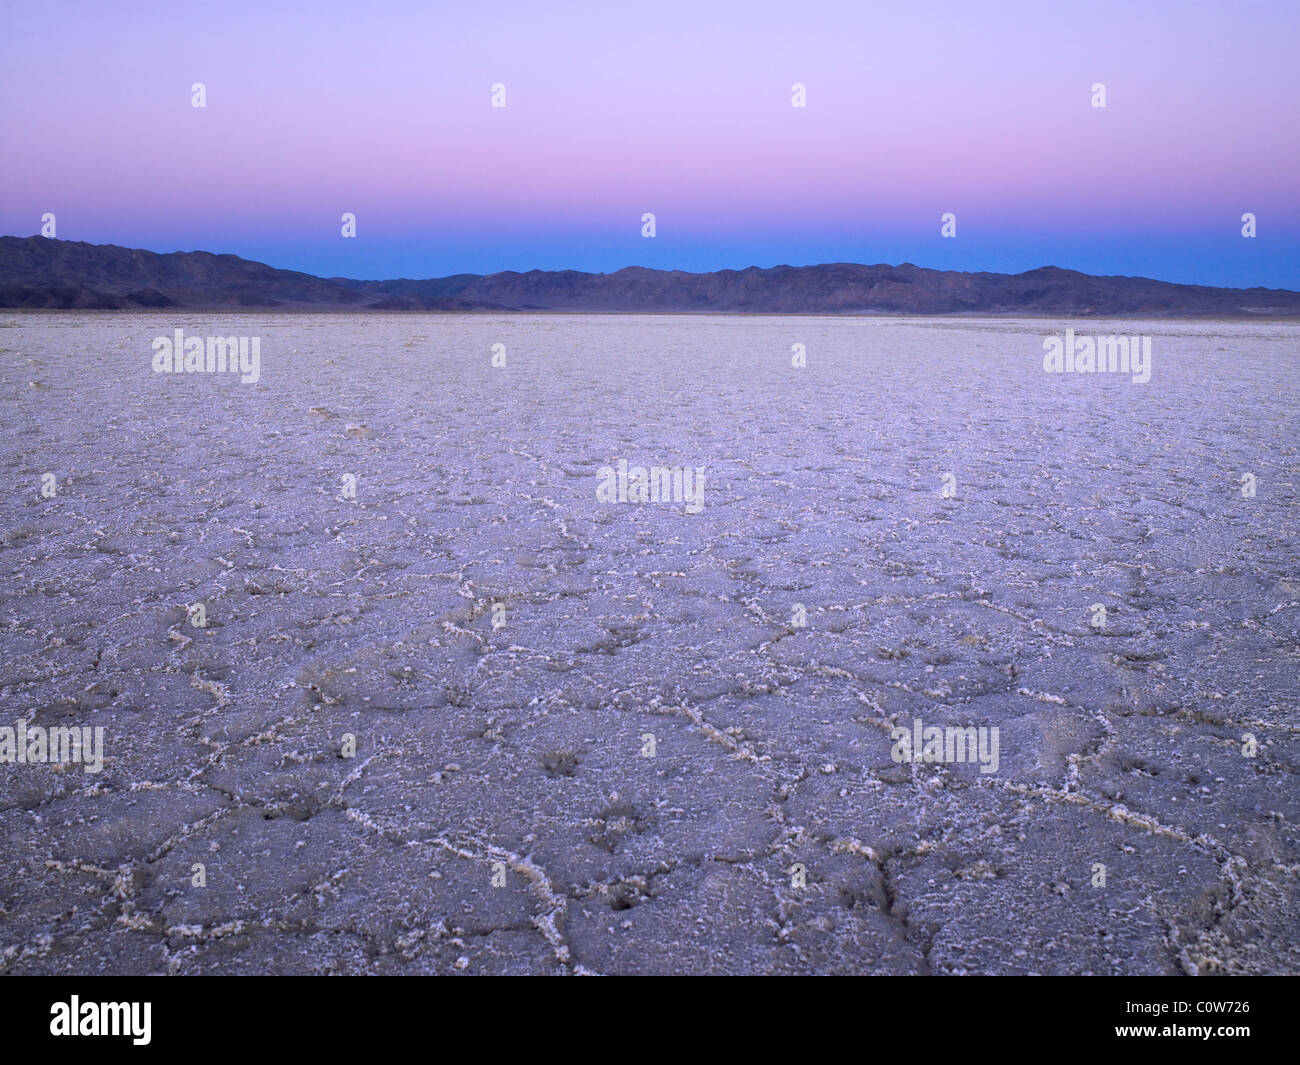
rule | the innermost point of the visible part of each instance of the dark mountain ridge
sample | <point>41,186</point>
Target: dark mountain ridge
<point>37,272</point>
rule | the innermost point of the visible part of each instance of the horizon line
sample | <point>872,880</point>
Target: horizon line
<point>651,269</point>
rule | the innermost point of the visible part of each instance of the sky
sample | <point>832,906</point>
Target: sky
<point>684,110</point>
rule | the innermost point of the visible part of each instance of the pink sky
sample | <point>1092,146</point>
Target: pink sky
<point>683,109</point>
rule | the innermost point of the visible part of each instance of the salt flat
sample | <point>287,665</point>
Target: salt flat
<point>611,709</point>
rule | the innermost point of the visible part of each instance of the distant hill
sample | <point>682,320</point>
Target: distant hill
<point>36,272</point>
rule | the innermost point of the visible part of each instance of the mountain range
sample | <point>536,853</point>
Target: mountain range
<point>44,273</point>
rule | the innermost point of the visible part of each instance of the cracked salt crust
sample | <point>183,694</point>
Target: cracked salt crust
<point>476,485</point>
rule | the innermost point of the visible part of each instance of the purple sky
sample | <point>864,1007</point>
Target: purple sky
<point>682,109</point>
